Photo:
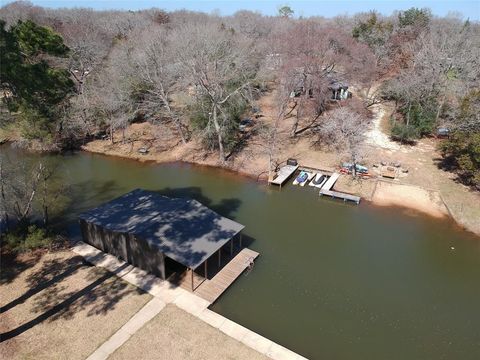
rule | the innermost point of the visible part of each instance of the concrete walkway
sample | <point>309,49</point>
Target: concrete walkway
<point>147,313</point>
<point>166,293</point>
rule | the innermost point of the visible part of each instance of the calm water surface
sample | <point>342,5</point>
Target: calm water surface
<point>334,281</point>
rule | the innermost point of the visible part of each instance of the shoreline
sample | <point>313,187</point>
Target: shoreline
<point>385,194</point>
<point>431,202</point>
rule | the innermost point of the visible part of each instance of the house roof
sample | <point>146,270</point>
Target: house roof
<point>183,229</point>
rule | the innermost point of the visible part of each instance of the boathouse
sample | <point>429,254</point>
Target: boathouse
<point>157,233</point>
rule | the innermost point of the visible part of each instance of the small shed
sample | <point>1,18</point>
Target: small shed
<point>339,90</point>
<point>147,229</point>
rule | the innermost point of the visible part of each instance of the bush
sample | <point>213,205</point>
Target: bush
<point>422,116</point>
<point>25,238</point>
<point>404,133</point>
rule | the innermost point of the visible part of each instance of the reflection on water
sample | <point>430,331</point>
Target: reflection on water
<point>333,281</point>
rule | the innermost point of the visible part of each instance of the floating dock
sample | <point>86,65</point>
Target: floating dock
<point>211,290</point>
<point>326,190</point>
<point>284,174</point>
<point>339,195</point>
<point>331,181</point>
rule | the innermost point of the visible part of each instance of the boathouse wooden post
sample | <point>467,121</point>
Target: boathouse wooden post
<point>192,279</point>
<point>240,241</point>
<point>219,258</point>
<point>206,269</point>
<point>231,247</point>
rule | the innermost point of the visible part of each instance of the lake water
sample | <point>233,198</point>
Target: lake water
<point>334,280</point>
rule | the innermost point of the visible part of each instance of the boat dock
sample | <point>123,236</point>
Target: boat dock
<point>284,174</point>
<point>211,289</point>
<point>339,195</point>
<point>331,181</point>
<point>287,171</point>
<point>326,190</point>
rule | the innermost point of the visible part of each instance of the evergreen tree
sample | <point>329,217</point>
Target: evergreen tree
<point>33,89</point>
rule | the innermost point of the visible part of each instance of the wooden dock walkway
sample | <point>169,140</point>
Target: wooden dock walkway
<point>326,190</point>
<point>331,181</point>
<point>339,195</point>
<point>284,174</point>
<point>211,290</point>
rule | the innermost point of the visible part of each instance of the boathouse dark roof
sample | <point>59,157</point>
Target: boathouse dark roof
<point>182,229</point>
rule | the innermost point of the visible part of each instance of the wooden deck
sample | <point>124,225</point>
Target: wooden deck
<point>339,195</point>
<point>331,181</point>
<point>211,290</point>
<point>284,174</point>
<point>184,280</point>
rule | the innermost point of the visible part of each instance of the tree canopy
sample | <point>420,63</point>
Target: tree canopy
<point>33,87</point>
<point>285,11</point>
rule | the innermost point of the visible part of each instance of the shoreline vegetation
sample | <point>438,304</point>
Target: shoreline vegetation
<point>246,92</point>
<point>376,191</point>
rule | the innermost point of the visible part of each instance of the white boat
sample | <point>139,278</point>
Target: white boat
<point>310,177</point>
<point>319,180</point>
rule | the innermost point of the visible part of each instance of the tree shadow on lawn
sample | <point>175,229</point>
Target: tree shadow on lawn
<point>450,166</point>
<point>103,292</point>
<point>12,265</point>
<point>52,272</point>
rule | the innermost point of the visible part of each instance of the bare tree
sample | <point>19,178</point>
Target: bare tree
<point>443,67</point>
<point>269,134</point>
<point>89,45</point>
<point>20,187</point>
<point>251,24</point>
<point>312,57</point>
<point>221,65</point>
<point>52,191</point>
<point>448,60</point>
<point>158,71</point>
<point>29,190</point>
<point>112,96</point>
<point>344,130</point>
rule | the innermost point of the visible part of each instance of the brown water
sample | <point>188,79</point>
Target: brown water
<point>334,281</point>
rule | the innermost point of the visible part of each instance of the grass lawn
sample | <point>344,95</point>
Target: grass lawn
<point>176,335</point>
<point>55,306</point>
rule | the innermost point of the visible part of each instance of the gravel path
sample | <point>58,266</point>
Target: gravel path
<point>375,136</point>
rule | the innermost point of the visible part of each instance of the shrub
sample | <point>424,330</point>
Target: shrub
<point>404,133</point>
<point>421,116</point>
<point>25,238</point>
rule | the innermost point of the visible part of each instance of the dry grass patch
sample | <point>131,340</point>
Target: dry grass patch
<point>176,335</point>
<point>58,307</point>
